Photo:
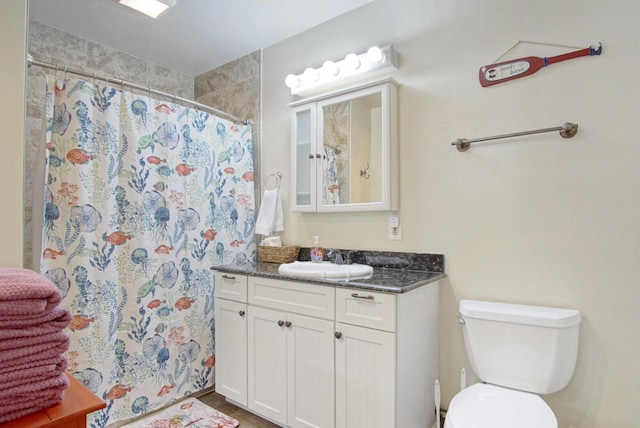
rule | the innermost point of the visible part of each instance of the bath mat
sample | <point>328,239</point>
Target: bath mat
<point>189,413</point>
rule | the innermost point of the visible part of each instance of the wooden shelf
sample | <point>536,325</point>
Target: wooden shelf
<point>70,413</point>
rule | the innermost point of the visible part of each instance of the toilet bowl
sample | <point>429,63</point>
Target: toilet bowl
<point>490,406</point>
<point>517,351</point>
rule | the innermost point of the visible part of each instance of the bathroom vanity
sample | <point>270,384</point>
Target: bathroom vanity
<point>316,353</point>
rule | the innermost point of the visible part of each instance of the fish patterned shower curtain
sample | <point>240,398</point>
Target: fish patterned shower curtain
<point>142,198</point>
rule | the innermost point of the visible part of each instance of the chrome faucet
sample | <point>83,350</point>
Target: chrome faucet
<point>336,256</point>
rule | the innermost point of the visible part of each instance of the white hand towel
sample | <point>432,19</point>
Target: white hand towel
<point>278,223</point>
<point>270,217</point>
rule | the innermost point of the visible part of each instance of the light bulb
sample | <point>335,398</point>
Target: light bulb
<point>375,55</point>
<point>330,68</point>
<point>353,61</point>
<point>292,81</point>
<point>311,75</point>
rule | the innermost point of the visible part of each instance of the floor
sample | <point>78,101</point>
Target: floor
<point>246,419</point>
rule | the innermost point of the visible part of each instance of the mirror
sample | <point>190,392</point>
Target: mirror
<point>345,153</point>
<point>352,145</point>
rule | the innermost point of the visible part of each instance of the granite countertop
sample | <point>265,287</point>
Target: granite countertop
<point>392,272</point>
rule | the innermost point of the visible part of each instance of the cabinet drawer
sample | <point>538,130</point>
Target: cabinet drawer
<point>231,286</point>
<point>302,298</point>
<point>366,309</point>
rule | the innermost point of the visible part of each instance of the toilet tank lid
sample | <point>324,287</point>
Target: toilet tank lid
<point>520,314</point>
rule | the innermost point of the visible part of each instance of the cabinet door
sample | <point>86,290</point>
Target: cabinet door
<point>267,355</point>
<point>305,158</point>
<point>365,377</point>
<point>310,376</point>
<point>231,350</point>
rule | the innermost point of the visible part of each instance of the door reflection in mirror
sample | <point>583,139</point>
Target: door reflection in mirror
<point>352,139</point>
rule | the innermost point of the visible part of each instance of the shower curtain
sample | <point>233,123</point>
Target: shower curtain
<point>142,198</point>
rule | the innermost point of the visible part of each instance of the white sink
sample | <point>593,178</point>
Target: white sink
<point>326,270</point>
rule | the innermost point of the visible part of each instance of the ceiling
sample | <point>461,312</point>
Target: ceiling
<point>195,35</point>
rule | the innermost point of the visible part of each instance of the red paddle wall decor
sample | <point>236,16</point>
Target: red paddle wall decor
<point>493,74</point>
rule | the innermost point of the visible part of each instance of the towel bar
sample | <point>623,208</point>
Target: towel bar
<point>567,130</point>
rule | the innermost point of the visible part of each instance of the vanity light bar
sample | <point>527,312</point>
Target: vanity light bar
<point>377,60</point>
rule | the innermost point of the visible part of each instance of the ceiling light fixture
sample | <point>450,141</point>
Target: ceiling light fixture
<point>377,60</point>
<point>152,8</point>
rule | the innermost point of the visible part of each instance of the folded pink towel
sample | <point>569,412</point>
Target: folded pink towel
<point>26,321</point>
<point>38,388</point>
<point>30,405</point>
<point>25,292</point>
<point>38,328</point>
<point>43,359</point>
<point>34,351</point>
<point>34,372</point>
<point>8,345</point>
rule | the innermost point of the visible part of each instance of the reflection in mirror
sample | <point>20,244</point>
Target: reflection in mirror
<point>352,151</point>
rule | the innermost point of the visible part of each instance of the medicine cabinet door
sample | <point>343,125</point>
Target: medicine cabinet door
<point>305,158</point>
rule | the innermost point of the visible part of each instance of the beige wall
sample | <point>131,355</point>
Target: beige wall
<point>13,27</point>
<point>541,219</point>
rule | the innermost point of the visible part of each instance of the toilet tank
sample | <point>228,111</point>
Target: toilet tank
<point>529,348</point>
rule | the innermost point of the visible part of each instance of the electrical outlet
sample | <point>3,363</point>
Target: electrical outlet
<point>395,232</point>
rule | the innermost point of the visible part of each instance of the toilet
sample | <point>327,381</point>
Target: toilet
<point>518,352</point>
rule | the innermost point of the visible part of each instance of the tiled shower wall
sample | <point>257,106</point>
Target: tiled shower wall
<point>233,88</point>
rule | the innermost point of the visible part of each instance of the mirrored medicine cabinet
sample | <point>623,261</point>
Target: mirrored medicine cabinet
<point>344,150</point>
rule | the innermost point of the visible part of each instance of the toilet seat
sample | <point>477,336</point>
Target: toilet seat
<point>489,406</point>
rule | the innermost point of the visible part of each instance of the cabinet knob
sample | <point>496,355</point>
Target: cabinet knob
<point>338,335</point>
<point>311,156</point>
<point>287,324</point>
<point>241,313</point>
<point>318,156</point>
<point>280,323</point>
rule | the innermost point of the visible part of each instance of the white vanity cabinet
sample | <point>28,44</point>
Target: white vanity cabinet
<point>365,359</point>
<point>386,357</point>
<point>290,355</point>
<point>231,336</point>
<point>344,150</point>
<point>324,356</point>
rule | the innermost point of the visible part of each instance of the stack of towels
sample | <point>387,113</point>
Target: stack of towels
<point>32,343</point>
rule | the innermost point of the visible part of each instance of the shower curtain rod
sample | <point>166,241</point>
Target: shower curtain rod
<point>56,67</point>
